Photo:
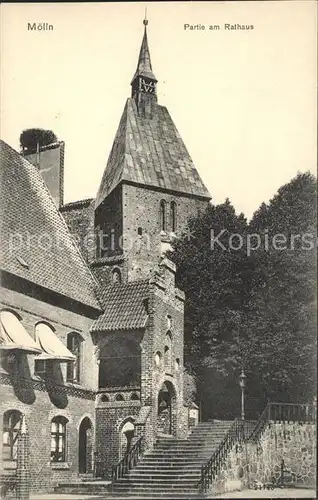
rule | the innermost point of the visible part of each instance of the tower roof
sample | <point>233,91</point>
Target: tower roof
<point>44,252</point>
<point>144,67</point>
<point>150,152</point>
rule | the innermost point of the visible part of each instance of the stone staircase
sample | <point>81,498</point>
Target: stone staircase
<point>172,469</point>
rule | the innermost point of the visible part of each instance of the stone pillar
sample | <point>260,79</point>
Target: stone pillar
<point>23,472</point>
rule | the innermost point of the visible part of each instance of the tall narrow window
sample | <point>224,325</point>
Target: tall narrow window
<point>11,426</point>
<point>74,342</point>
<point>163,215</point>
<point>58,439</point>
<point>116,276</point>
<point>173,216</point>
<point>167,352</point>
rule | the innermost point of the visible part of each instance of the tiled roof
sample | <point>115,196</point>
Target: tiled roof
<point>35,242</point>
<point>124,307</point>
<point>150,152</point>
<point>76,204</point>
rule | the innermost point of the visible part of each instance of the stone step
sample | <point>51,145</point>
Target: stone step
<point>172,459</point>
<point>167,466</point>
<point>193,454</point>
<point>155,495</point>
<point>158,482</point>
<point>82,488</point>
<point>155,488</point>
<point>173,476</point>
<point>150,495</point>
<point>186,462</point>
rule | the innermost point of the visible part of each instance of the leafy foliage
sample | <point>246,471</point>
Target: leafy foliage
<point>30,138</point>
<point>251,309</point>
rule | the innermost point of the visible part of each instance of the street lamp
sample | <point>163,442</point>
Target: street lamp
<point>242,380</point>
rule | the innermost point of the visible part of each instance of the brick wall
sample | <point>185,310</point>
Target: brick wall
<point>41,398</point>
<point>44,474</point>
<point>141,210</point>
<point>109,422</point>
<point>109,223</point>
<point>79,216</point>
<point>165,315</point>
<point>51,163</point>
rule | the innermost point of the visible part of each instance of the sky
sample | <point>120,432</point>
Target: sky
<point>244,102</point>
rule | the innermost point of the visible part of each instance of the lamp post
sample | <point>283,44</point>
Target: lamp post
<point>242,380</point>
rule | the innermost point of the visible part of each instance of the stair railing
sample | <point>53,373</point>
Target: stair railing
<point>242,431</point>
<point>235,435</point>
<point>129,460</point>
<point>260,424</point>
<point>283,412</point>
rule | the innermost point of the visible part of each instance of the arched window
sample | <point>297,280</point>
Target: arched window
<point>158,357</point>
<point>173,216</point>
<point>134,397</point>
<point>58,439</point>
<point>169,321</point>
<point>104,398</point>
<point>116,276</point>
<point>74,342</point>
<point>167,352</point>
<point>11,427</point>
<point>162,214</point>
<point>119,397</point>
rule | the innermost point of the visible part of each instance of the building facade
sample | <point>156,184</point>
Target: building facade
<point>91,320</point>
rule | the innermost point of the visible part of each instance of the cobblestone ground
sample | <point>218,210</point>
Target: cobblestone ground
<point>276,493</point>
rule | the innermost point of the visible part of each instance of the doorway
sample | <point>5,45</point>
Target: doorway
<point>85,447</point>
<point>166,416</point>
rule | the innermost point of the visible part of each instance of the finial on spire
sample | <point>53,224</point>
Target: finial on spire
<point>145,21</point>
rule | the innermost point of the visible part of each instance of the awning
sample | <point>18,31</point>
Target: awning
<point>51,345</point>
<point>13,335</point>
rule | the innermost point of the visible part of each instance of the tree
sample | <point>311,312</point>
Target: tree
<point>251,309</point>
<point>214,274</point>
<point>281,325</point>
<point>30,138</point>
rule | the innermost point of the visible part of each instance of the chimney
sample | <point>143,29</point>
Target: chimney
<point>50,161</point>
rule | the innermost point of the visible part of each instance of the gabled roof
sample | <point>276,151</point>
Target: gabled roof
<point>124,307</point>
<point>150,152</point>
<point>35,242</point>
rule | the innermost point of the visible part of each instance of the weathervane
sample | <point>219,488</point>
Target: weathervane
<point>145,21</point>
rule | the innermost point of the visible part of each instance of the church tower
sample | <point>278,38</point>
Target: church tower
<point>150,186</point>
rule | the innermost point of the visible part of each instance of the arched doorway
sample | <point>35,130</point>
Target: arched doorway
<point>166,418</point>
<point>85,446</point>
<point>126,436</point>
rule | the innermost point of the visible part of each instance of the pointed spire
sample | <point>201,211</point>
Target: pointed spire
<point>144,67</point>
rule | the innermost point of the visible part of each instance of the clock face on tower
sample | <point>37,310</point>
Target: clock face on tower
<point>147,86</point>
